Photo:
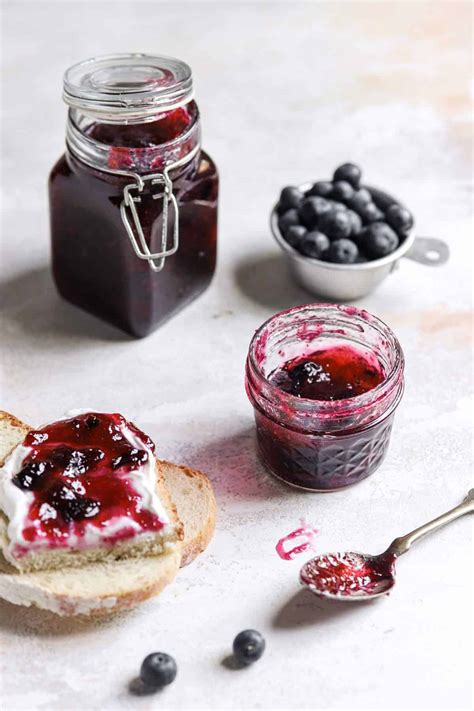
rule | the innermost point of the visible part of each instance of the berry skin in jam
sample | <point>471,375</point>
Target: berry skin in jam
<point>78,471</point>
<point>334,373</point>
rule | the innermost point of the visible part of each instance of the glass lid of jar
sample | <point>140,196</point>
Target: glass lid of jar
<point>127,88</point>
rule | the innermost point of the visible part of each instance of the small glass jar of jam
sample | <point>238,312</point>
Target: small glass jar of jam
<point>325,381</point>
<point>133,201</point>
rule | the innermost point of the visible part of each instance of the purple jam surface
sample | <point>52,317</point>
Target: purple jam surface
<point>334,373</point>
<point>167,127</point>
<point>77,471</point>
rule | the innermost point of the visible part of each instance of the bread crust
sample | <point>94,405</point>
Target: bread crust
<point>45,591</point>
<point>164,496</point>
<point>13,421</point>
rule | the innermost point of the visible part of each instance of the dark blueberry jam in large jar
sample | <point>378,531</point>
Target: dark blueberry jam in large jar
<point>133,201</point>
<point>324,381</point>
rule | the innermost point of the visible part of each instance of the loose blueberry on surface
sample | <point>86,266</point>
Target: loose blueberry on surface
<point>371,213</point>
<point>314,244</point>
<point>350,173</point>
<point>399,218</point>
<point>248,646</point>
<point>342,251</point>
<point>336,224</point>
<point>287,220</point>
<point>342,191</point>
<point>290,198</point>
<point>356,223</point>
<point>378,240</point>
<point>158,670</point>
<point>323,188</point>
<point>312,210</point>
<point>294,235</point>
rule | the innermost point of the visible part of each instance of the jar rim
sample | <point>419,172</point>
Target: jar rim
<point>330,408</point>
<point>118,88</point>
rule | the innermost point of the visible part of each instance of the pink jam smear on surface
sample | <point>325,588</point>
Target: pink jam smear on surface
<point>79,473</point>
<point>334,373</point>
<point>348,574</point>
<point>305,532</point>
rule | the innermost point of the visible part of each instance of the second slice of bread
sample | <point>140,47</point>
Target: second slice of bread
<point>192,494</point>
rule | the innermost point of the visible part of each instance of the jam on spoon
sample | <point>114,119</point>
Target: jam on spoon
<point>356,576</point>
<point>349,574</point>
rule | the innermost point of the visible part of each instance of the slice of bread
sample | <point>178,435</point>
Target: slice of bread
<point>106,587</point>
<point>191,492</point>
<point>98,588</point>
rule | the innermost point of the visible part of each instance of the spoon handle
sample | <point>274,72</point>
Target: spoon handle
<point>403,543</point>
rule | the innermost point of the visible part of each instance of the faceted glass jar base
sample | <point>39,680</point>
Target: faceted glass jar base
<point>325,462</point>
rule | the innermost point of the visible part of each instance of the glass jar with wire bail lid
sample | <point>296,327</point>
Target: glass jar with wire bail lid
<point>133,201</point>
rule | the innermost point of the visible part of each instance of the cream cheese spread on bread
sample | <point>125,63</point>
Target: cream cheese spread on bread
<point>84,485</point>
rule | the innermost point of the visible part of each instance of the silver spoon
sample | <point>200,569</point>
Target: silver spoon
<point>357,576</point>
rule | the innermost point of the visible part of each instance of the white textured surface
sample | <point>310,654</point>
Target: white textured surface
<point>287,91</point>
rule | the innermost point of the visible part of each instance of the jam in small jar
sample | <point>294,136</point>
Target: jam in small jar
<point>325,381</point>
<point>133,201</point>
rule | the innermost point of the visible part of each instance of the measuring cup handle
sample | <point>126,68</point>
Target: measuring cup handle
<point>429,250</point>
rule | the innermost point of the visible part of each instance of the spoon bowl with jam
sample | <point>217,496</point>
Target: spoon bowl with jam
<point>356,577</point>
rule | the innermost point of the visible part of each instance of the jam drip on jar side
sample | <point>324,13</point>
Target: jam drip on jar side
<point>348,574</point>
<point>334,373</point>
<point>78,471</point>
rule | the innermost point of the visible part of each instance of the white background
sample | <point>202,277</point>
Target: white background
<point>287,92</point>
